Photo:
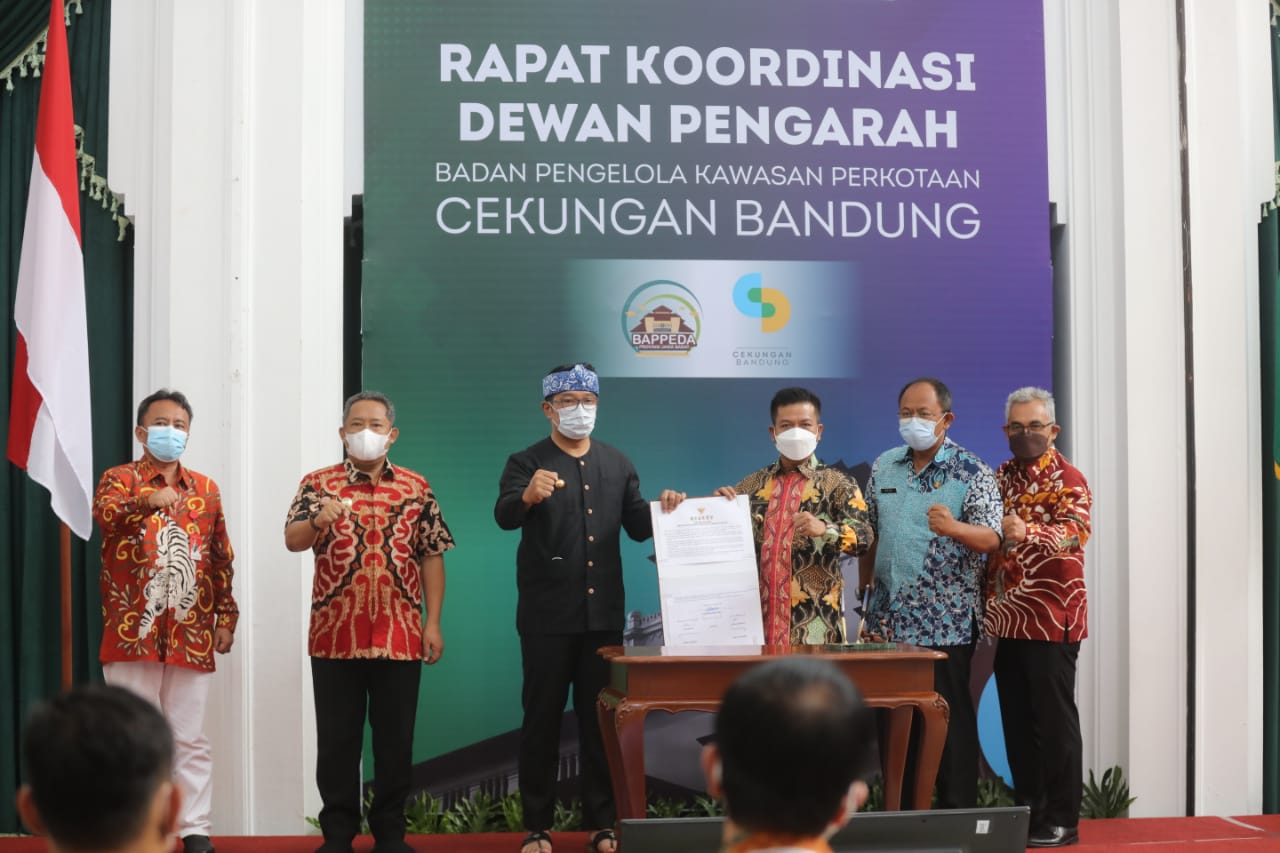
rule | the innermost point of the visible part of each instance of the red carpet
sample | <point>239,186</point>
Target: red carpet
<point>1139,835</point>
<point>496,842</point>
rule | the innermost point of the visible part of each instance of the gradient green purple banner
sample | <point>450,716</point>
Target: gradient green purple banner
<point>709,201</point>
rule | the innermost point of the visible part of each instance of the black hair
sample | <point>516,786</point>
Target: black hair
<point>939,387</point>
<point>790,396</point>
<point>793,735</point>
<point>164,394</point>
<point>95,757</point>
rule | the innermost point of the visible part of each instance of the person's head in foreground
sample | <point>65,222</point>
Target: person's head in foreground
<point>792,744</point>
<point>99,761</point>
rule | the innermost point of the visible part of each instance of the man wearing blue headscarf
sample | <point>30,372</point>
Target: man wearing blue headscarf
<point>571,498</point>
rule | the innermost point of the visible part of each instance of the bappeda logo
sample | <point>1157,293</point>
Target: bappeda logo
<point>662,317</point>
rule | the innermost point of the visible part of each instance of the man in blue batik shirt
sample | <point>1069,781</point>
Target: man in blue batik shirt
<point>936,511</point>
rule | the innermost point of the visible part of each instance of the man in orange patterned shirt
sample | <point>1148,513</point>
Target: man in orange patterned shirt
<point>1037,606</point>
<point>379,541</point>
<point>805,516</point>
<point>166,592</point>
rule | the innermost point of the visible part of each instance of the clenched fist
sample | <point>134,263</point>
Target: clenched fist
<point>165,498</point>
<point>941,521</point>
<point>541,486</point>
<point>331,509</point>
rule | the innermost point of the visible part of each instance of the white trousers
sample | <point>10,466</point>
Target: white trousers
<point>180,694</point>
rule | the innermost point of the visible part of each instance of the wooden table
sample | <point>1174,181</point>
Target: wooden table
<point>693,678</point>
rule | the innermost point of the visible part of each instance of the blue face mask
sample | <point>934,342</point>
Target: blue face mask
<point>918,433</point>
<point>166,443</point>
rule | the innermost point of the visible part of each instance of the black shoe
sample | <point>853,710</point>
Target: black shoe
<point>333,846</point>
<point>1054,836</point>
<point>196,844</point>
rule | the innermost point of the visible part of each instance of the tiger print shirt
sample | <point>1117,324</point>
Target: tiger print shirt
<point>166,574</point>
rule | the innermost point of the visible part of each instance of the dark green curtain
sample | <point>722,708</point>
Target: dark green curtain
<point>30,622</point>
<point>1269,317</point>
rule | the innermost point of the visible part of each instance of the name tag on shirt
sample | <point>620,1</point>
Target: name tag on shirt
<point>888,491</point>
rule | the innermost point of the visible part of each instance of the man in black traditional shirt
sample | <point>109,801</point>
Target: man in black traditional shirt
<point>570,497</point>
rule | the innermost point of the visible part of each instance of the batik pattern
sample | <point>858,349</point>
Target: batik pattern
<point>166,573</point>
<point>928,588</point>
<point>801,570</point>
<point>1035,588</point>
<point>366,595</point>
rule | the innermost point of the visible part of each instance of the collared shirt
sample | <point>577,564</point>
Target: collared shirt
<point>801,583</point>
<point>1035,588</point>
<point>166,573</point>
<point>765,842</point>
<point>928,587</point>
<point>366,598</point>
<point>569,563</point>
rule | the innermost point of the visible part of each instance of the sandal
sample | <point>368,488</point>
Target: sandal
<point>593,846</point>
<point>537,838</point>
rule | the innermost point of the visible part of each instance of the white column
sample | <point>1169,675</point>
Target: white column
<point>1155,391</point>
<point>1115,174</point>
<point>1085,161</point>
<point>1230,176</point>
<point>1116,177</point>
<point>226,140</point>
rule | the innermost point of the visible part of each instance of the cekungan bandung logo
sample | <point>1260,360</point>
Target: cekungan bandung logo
<point>662,318</point>
<point>769,304</point>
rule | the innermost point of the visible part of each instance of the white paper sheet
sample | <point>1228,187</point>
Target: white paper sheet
<point>707,576</point>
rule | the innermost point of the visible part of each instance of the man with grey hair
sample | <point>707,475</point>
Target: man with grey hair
<point>1037,607</point>
<point>379,541</point>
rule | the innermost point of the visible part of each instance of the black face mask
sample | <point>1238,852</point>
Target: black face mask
<point>1028,446</point>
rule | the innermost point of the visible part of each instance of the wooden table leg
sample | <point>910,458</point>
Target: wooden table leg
<point>605,712</point>
<point>628,720</point>
<point>935,717</point>
<point>893,763</point>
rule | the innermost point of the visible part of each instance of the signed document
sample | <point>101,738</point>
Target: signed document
<point>707,576</point>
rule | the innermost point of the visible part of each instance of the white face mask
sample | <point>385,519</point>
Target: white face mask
<point>918,433</point>
<point>796,444</point>
<point>367,445</point>
<point>577,422</point>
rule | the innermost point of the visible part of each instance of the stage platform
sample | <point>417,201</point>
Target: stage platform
<point>1139,835</point>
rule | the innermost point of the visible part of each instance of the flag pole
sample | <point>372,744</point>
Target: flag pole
<point>65,584</point>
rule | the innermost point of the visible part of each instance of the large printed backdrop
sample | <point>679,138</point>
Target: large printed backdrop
<point>709,201</point>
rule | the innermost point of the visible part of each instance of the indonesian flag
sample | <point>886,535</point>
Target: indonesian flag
<point>49,427</point>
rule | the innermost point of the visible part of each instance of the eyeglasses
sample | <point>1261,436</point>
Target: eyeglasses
<point>588,403</point>
<point>1016,428</point>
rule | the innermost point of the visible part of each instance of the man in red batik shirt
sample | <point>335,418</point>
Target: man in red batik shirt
<point>1036,606</point>
<point>379,541</point>
<point>166,592</point>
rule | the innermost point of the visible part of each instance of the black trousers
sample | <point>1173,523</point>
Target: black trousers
<point>1036,681</point>
<point>958,772</point>
<point>344,691</point>
<point>957,783</point>
<point>551,662</point>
